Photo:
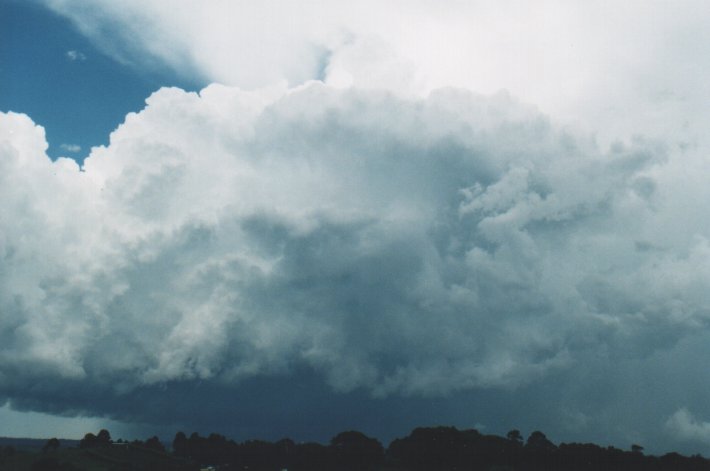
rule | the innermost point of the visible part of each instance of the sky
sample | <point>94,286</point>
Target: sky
<point>298,218</point>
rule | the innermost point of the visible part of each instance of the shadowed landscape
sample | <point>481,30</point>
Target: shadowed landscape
<point>430,448</point>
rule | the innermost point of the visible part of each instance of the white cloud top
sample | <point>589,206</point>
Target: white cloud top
<point>397,245</point>
<point>613,69</point>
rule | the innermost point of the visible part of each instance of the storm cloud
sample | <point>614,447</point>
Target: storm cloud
<point>364,242</point>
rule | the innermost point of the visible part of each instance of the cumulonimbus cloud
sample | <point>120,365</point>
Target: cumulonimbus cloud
<point>397,246</point>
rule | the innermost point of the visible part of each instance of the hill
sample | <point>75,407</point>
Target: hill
<point>34,444</point>
<point>116,457</point>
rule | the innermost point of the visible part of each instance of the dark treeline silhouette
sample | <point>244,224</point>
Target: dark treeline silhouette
<point>95,441</point>
<point>103,439</point>
<point>425,449</point>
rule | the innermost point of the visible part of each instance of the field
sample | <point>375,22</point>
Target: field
<point>114,458</point>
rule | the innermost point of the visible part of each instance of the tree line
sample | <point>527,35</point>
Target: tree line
<point>424,449</point>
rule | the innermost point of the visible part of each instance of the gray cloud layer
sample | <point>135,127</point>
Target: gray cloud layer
<point>397,247</point>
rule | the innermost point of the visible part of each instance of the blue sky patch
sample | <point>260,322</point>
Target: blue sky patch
<point>52,73</point>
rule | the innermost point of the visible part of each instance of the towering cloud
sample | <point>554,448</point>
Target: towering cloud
<point>396,246</point>
<point>345,221</point>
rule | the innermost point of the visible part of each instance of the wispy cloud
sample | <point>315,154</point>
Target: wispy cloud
<point>74,55</point>
<point>70,147</point>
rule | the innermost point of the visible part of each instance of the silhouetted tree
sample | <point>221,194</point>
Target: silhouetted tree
<point>355,450</point>
<point>285,453</point>
<point>103,438</point>
<point>51,445</point>
<point>439,448</point>
<point>515,436</point>
<point>311,457</point>
<point>92,441</point>
<point>89,441</point>
<point>539,452</point>
<point>537,441</point>
<point>154,443</point>
<point>180,445</point>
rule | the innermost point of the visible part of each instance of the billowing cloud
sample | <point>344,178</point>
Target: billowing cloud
<point>371,243</point>
<point>686,427</point>
<point>401,247</point>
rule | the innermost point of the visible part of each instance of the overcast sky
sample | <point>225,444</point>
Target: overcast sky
<point>298,218</point>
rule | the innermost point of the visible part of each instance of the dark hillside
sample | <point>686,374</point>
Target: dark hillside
<point>33,444</point>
